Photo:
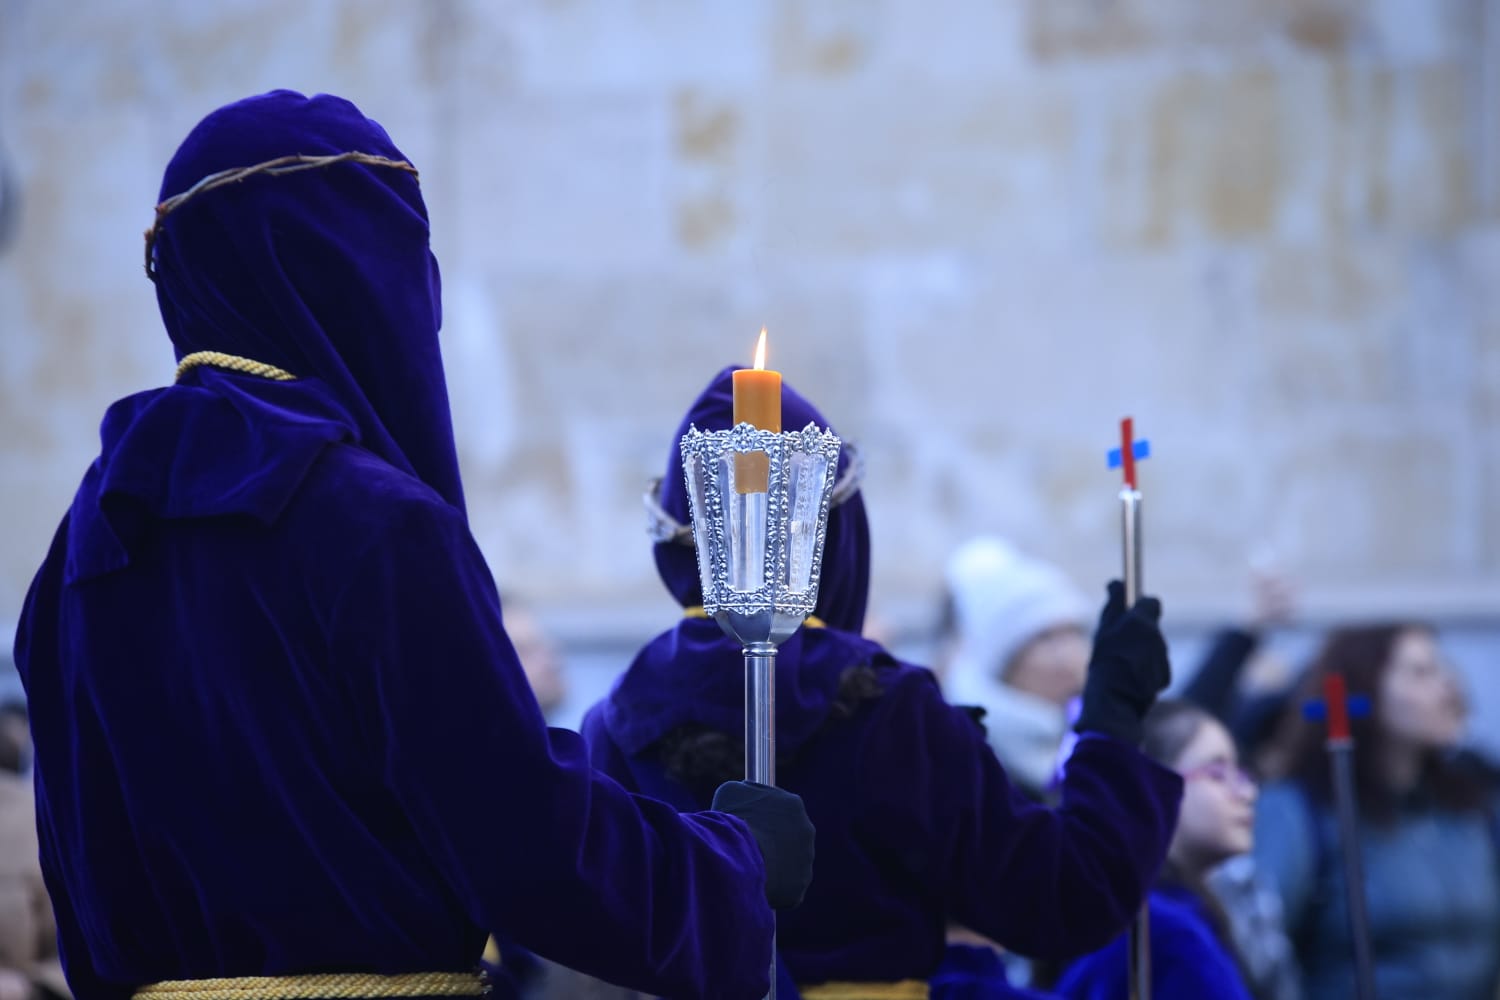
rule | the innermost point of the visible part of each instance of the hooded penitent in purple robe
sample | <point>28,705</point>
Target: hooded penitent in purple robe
<point>917,823</point>
<point>279,726</point>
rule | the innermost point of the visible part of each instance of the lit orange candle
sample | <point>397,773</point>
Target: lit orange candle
<point>757,402</point>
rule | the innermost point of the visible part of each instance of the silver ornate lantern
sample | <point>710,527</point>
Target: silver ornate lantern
<point>759,502</point>
<point>760,553</point>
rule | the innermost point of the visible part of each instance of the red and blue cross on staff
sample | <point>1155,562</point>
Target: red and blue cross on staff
<point>1129,452</point>
<point>1336,707</point>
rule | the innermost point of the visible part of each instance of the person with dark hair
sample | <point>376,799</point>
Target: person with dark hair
<point>1193,955</point>
<point>283,744</point>
<point>918,824</point>
<point>1427,833</point>
<point>1220,688</point>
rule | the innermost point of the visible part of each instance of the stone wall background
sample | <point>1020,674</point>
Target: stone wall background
<point>979,233</point>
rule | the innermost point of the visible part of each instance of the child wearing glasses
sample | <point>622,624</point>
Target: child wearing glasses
<point>1192,953</point>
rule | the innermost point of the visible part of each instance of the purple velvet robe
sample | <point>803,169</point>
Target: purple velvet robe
<point>279,726</point>
<point>1188,961</point>
<point>917,823</point>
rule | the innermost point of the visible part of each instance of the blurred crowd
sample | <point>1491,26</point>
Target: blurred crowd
<point>1255,865</point>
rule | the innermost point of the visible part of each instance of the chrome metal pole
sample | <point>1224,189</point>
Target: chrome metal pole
<point>1140,927</point>
<point>760,713</point>
<point>1130,534</point>
<point>760,734</point>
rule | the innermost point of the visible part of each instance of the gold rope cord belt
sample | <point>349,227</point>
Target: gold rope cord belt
<point>234,363</point>
<point>320,986</point>
<point>906,989</point>
<point>696,611</point>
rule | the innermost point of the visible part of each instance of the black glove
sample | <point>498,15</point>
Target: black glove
<point>785,835</point>
<point>1128,670</point>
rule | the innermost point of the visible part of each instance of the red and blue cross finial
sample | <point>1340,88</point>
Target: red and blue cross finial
<point>1337,707</point>
<point>1129,452</point>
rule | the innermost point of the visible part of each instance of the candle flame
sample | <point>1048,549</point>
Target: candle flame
<point>760,351</point>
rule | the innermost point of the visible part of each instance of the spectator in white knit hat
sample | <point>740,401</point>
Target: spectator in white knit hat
<point>1019,650</point>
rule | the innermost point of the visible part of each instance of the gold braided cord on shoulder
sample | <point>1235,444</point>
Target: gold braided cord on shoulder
<point>274,168</point>
<point>234,363</point>
<point>906,989</point>
<point>320,986</point>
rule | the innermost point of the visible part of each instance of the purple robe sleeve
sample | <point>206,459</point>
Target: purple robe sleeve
<point>73,951</point>
<point>41,606</point>
<point>1049,883</point>
<point>533,841</point>
<point>604,753</point>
